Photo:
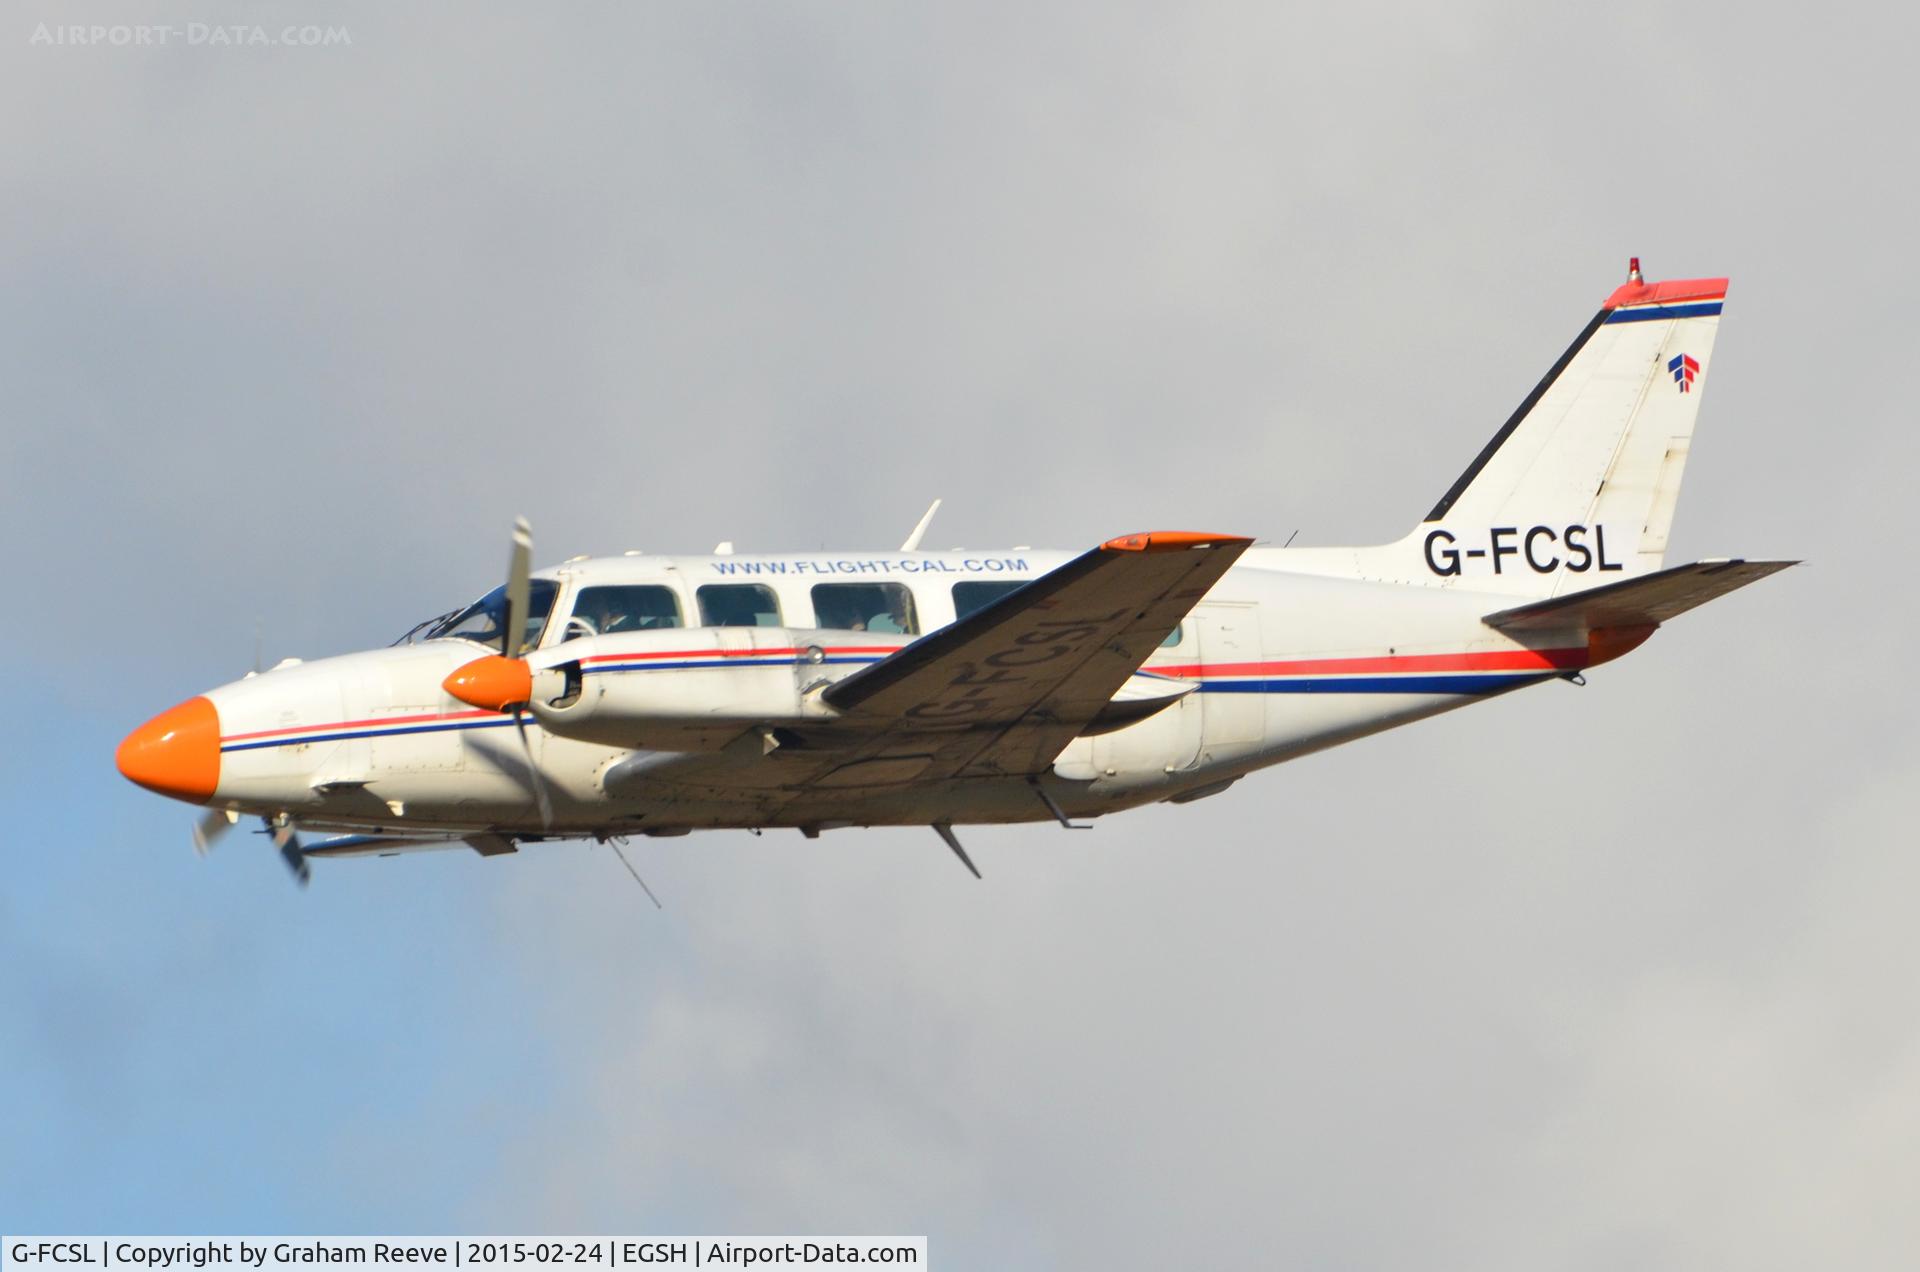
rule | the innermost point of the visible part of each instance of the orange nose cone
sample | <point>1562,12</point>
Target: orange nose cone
<point>176,753</point>
<point>493,682</point>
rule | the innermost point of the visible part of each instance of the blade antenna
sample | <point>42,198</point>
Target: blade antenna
<point>519,565</point>
<point>920,531</point>
<point>945,830</point>
<point>615,845</point>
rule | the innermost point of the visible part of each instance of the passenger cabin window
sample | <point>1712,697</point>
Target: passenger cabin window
<point>605,611</point>
<point>483,620</point>
<point>1174,637</point>
<point>968,597</point>
<point>865,607</point>
<point>738,605</point>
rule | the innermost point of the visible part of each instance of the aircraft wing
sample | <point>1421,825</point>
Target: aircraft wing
<point>1006,688</point>
<point>1647,601</point>
<point>1001,691</point>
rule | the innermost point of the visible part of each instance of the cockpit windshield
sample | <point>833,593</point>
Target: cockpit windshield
<point>482,620</point>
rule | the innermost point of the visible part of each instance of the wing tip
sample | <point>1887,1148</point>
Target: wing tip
<point>1173,541</point>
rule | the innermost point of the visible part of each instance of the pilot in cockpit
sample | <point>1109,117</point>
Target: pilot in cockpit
<point>599,612</point>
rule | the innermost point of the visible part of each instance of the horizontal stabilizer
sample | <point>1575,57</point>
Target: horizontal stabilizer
<point>1647,601</point>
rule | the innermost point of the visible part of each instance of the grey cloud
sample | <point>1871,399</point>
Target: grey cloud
<point>1575,978</point>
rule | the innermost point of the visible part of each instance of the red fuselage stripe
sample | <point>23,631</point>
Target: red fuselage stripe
<point>360,724</point>
<point>739,653</point>
<point>1495,660</point>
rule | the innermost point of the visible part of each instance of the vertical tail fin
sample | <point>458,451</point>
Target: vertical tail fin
<point>1578,487</point>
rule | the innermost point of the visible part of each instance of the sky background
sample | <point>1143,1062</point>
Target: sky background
<point>1618,976</point>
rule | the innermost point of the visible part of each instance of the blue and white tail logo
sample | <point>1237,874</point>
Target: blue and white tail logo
<point>1684,369</point>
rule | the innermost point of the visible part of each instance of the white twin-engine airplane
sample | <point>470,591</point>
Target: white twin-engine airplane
<point>657,695</point>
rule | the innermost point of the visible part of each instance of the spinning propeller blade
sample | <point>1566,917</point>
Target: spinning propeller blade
<point>503,681</point>
<point>533,772</point>
<point>207,831</point>
<point>290,852</point>
<point>519,565</point>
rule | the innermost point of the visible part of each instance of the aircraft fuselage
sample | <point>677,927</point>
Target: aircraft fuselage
<point>1281,664</point>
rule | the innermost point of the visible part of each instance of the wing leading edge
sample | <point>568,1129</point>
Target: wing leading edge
<point>1006,688</point>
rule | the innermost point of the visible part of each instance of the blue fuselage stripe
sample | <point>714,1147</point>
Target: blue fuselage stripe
<point>1372,684</point>
<point>1705,309</point>
<point>367,733</point>
<point>1458,684</point>
<point>710,665</point>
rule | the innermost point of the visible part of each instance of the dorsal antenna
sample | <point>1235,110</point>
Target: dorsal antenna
<point>920,531</point>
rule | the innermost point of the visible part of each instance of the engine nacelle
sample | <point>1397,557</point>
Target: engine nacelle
<point>694,689</point>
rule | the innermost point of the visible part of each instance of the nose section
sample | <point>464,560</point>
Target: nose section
<point>176,753</point>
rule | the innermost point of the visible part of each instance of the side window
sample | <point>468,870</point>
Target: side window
<point>968,597</point>
<point>1174,637</point>
<point>865,607</point>
<point>604,611</point>
<point>738,605</point>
